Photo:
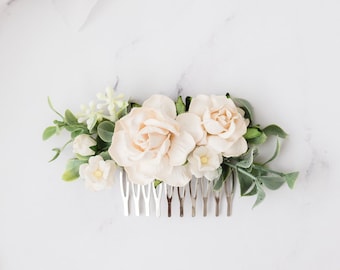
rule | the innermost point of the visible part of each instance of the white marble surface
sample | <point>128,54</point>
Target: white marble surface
<point>283,56</point>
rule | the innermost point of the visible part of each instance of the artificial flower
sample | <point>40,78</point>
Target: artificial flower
<point>98,174</point>
<point>114,103</point>
<point>205,162</point>
<point>149,143</point>
<point>82,145</point>
<point>223,122</point>
<point>90,114</point>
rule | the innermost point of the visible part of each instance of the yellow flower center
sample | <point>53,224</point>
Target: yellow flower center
<point>204,159</point>
<point>98,174</point>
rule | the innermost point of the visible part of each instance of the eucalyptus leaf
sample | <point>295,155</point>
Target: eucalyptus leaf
<point>246,182</point>
<point>223,177</point>
<point>260,195</point>
<point>246,106</point>
<point>275,131</point>
<point>78,132</point>
<point>72,169</point>
<point>180,106</point>
<point>291,178</point>
<point>105,131</point>
<point>247,159</point>
<point>49,132</point>
<point>276,153</point>
<point>70,118</point>
<point>273,182</point>
<point>105,155</point>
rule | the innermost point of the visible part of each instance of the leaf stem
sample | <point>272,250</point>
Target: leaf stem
<point>263,169</point>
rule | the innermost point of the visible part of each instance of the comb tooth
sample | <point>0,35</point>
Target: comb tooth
<point>125,191</point>
<point>169,190</point>
<point>193,188</point>
<point>157,195</point>
<point>205,189</point>
<point>146,191</point>
<point>229,188</point>
<point>136,197</point>
<point>181,195</point>
<point>217,195</point>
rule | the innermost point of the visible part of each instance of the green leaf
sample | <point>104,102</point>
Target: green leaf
<point>275,131</point>
<point>247,159</point>
<point>258,140</point>
<point>78,132</point>
<point>105,155</point>
<point>49,132</point>
<point>260,195</point>
<point>72,169</point>
<point>70,118</point>
<point>180,106</point>
<point>246,106</point>
<point>277,151</point>
<point>272,182</point>
<point>105,131</point>
<point>223,177</point>
<point>156,183</point>
<point>58,151</point>
<point>246,182</point>
<point>252,132</point>
<point>291,178</point>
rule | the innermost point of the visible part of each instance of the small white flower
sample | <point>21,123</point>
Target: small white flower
<point>98,174</point>
<point>90,114</point>
<point>82,143</point>
<point>114,103</point>
<point>205,162</point>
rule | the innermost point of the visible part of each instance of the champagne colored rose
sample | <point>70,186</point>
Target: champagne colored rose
<point>82,143</point>
<point>98,174</point>
<point>223,122</point>
<point>150,144</point>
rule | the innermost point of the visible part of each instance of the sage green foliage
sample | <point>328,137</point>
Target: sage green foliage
<point>101,133</point>
<point>253,176</point>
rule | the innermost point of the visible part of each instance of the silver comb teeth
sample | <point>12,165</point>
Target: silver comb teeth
<point>152,195</point>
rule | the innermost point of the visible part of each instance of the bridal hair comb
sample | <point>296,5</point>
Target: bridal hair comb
<point>189,153</point>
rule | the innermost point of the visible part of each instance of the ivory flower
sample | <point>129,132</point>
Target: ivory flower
<point>98,174</point>
<point>82,143</point>
<point>223,122</point>
<point>150,144</point>
<point>205,162</point>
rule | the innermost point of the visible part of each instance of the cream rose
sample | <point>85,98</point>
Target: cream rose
<point>82,143</point>
<point>150,144</point>
<point>98,174</point>
<point>223,122</point>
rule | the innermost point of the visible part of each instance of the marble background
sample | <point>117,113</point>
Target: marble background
<point>283,56</point>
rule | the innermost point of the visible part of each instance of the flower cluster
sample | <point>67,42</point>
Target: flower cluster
<point>169,141</point>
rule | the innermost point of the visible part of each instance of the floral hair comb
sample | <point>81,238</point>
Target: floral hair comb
<point>199,147</point>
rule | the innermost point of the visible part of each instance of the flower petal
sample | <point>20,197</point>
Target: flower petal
<point>180,176</point>
<point>181,146</point>
<point>192,124</point>
<point>199,104</point>
<point>163,104</point>
<point>237,148</point>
